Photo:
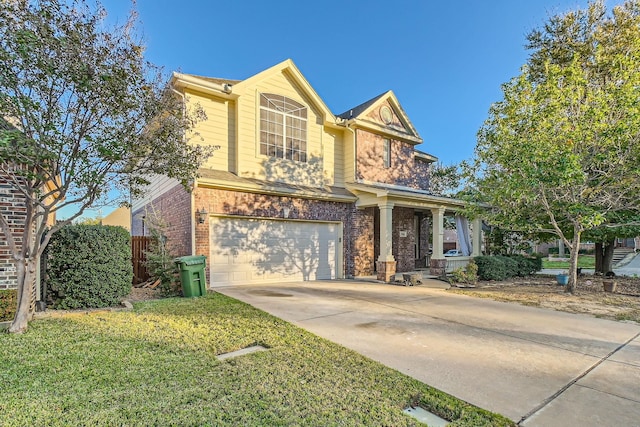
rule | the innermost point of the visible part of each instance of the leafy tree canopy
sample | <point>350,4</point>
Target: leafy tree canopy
<point>83,114</point>
<point>561,152</point>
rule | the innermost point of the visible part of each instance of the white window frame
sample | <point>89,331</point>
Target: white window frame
<point>283,127</point>
<point>386,152</point>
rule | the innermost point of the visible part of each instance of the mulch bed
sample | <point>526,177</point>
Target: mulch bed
<point>586,283</point>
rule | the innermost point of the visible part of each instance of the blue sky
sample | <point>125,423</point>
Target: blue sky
<point>444,60</point>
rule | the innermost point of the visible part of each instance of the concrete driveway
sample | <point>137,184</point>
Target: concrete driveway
<point>535,366</point>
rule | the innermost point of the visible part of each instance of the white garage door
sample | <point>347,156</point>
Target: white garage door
<point>245,251</point>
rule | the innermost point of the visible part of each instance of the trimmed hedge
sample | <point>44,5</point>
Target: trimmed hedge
<point>490,268</point>
<point>503,267</point>
<point>89,266</point>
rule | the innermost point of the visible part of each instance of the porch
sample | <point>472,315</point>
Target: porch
<point>407,228</point>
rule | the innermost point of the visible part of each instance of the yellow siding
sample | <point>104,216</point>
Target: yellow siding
<point>349,156</point>
<point>251,163</point>
<point>333,151</point>
<point>217,129</point>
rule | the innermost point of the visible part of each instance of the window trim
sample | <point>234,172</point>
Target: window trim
<point>386,153</point>
<point>288,128</point>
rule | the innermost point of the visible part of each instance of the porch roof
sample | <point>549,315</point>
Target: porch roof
<point>373,194</point>
<point>229,181</point>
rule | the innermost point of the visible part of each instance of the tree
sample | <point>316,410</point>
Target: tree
<point>560,153</point>
<point>444,180</point>
<point>91,119</point>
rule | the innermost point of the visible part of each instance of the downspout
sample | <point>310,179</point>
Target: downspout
<point>194,185</point>
<point>192,216</point>
<point>345,123</point>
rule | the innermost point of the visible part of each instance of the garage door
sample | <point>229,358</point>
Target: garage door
<point>245,251</point>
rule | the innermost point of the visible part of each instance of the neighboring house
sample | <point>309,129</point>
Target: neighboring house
<point>296,192</point>
<point>12,206</point>
<point>120,217</point>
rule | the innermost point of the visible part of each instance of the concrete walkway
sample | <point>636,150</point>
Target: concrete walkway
<point>538,367</point>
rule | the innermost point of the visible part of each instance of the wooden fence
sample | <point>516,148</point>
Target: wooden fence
<point>139,244</point>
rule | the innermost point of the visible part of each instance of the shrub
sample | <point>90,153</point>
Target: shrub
<point>8,304</point>
<point>467,274</point>
<point>536,262</point>
<point>490,268</point>
<point>502,267</point>
<point>160,257</point>
<point>526,265</point>
<point>89,266</point>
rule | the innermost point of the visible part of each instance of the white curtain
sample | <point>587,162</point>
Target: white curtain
<point>462,228</point>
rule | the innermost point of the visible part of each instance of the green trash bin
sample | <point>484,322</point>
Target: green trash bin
<point>192,275</point>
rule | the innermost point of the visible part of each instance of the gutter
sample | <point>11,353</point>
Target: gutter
<point>345,123</point>
<point>221,90</point>
<point>192,216</point>
<point>192,211</point>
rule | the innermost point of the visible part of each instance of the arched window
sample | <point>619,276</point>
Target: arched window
<point>283,127</point>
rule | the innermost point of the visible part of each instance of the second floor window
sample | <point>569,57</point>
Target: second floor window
<point>283,127</point>
<point>386,153</point>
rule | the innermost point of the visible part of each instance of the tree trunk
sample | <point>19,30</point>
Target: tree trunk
<point>573,261</point>
<point>607,259</point>
<point>26,274</point>
<point>599,257</point>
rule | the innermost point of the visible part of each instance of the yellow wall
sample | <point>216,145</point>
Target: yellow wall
<point>120,217</point>
<point>217,129</point>
<point>239,137</point>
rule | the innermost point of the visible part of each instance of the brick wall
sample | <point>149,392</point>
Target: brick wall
<point>223,202</point>
<point>403,243</point>
<point>173,209</point>
<point>421,175</point>
<point>362,228</point>
<point>425,234</point>
<point>360,237</point>
<point>404,169</point>
<point>13,208</point>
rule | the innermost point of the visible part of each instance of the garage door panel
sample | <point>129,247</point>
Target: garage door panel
<point>254,250</point>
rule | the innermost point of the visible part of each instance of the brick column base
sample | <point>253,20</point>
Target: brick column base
<point>437,267</point>
<point>385,270</point>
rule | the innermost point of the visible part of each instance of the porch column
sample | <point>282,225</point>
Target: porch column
<point>476,239</point>
<point>386,265</point>
<point>438,263</point>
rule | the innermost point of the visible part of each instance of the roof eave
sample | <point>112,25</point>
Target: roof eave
<point>179,80</point>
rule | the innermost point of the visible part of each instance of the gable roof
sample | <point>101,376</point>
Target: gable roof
<point>230,89</point>
<point>358,116</point>
<point>357,110</point>
<point>288,68</point>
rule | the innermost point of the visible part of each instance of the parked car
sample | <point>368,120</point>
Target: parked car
<point>453,252</point>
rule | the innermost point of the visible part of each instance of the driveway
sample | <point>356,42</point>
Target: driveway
<point>535,366</point>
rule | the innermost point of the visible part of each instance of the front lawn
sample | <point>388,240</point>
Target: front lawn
<point>156,365</point>
<point>584,261</point>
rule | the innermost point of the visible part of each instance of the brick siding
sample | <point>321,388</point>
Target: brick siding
<point>405,170</point>
<point>12,206</point>
<point>362,229</point>
<point>173,209</point>
<point>403,247</point>
<point>223,202</point>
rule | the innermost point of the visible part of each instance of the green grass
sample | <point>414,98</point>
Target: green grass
<point>584,261</point>
<point>156,365</point>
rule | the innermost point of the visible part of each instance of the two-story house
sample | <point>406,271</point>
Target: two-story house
<point>296,192</point>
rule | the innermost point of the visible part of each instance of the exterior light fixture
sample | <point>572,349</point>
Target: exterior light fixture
<point>201,216</point>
